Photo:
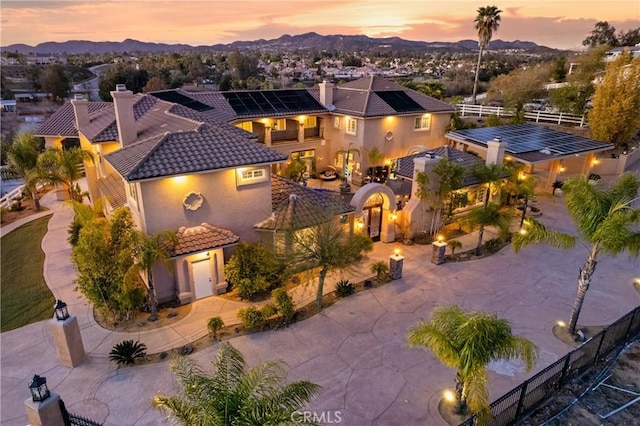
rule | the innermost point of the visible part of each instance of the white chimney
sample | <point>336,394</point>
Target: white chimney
<point>495,151</point>
<point>123,106</point>
<point>326,93</point>
<point>81,111</point>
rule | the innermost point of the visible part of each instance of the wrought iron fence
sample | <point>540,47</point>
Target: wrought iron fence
<point>71,419</point>
<point>515,404</point>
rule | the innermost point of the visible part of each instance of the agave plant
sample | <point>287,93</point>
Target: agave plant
<point>126,352</point>
<point>344,288</point>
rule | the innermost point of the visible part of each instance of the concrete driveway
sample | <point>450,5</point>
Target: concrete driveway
<point>356,349</point>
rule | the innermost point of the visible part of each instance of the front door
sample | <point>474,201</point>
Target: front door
<point>202,285</point>
<point>373,218</point>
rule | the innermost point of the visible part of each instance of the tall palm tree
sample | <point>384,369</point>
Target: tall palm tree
<point>489,215</point>
<point>231,395</point>
<point>22,158</point>
<point>606,220</point>
<point>64,166</point>
<point>151,250</point>
<point>486,23</point>
<point>468,341</point>
<point>491,175</point>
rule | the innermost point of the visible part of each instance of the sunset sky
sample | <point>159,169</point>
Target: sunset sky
<point>554,23</point>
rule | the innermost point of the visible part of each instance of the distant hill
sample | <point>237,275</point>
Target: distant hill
<point>307,41</point>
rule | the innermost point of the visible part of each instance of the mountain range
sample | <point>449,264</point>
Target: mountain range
<point>307,41</point>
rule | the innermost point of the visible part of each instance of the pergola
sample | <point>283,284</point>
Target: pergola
<point>534,145</point>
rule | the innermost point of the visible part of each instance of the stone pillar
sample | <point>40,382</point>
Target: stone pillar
<point>438,252</point>
<point>587,165</point>
<point>44,413</point>
<point>554,168</point>
<point>395,266</point>
<point>300,132</point>
<point>68,341</point>
<point>267,136</point>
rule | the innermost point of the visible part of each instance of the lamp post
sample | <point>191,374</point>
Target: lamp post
<point>39,389</point>
<point>61,310</point>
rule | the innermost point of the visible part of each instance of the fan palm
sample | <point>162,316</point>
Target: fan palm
<point>232,395</point>
<point>469,341</point>
<point>151,250</point>
<point>606,220</point>
<point>486,23</point>
<point>346,154</point>
<point>489,215</point>
<point>23,159</point>
<point>65,166</point>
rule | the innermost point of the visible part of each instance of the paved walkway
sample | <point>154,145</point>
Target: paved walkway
<point>355,349</point>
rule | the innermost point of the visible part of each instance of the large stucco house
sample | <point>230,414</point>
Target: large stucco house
<point>205,165</point>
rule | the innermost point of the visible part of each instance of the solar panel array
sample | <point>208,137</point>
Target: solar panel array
<point>178,98</point>
<point>399,101</point>
<point>523,138</point>
<point>272,102</point>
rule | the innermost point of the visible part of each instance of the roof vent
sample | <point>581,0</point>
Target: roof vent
<point>78,97</point>
<point>121,88</point>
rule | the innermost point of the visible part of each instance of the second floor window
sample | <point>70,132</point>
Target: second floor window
<point>352,126</point>
<point>423,122</point>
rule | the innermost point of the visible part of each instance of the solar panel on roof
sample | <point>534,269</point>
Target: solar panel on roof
<point>178,98</point>
<point>272,102</point>
<point>399,101</point>
<point>524,138</point>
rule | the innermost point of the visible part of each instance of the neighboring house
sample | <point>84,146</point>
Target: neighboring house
<point>613,54</point>
<point>201,164</point>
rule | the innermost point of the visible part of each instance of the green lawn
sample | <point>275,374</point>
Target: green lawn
<point>25,297</point>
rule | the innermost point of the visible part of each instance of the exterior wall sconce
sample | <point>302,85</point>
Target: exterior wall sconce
<point>561,168</point>
<point>61,311</point>
<point>39,389</point>
<point>394,216</point>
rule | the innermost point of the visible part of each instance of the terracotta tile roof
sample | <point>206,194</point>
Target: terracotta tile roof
<point>63,121</point>
<point>112,187</point>
<point>210,147</point>
<point>466,160</point>
<point>299,207</point>
<point>202,237</point>
<point>361,98</point>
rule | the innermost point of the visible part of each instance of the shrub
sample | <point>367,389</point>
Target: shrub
<point>344,288</point>
<point>126,352</point>
<point>380,268</point>
<point>254,269</point>
<point>214,325</point>
<point>284,304</point>
<point>251,317</point>
<point>268,310</point>
<point>492,121</point>
<point>3,213</point>
<point>493,245</point>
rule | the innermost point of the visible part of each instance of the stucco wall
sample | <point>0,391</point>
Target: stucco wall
<point>225,205</point>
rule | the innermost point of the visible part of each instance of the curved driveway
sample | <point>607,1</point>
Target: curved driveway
<point>356,349</point>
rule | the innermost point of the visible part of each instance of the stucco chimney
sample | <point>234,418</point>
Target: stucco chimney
<point>495,151</point>
<point>81,111</point>
<point>326,93</point>
<point>123,106</point>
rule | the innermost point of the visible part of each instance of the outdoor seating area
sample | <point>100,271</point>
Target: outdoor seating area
<point>328,174</point>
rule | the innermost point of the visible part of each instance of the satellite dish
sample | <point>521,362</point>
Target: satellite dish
<point>331,107</point>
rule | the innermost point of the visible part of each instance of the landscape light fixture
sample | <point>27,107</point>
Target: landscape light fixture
<point>449,395</point>
<point>61,310</point>
<point>396,252</point>
<point>39,389</point>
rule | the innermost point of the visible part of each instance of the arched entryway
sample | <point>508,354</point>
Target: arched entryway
<point>374,204</point>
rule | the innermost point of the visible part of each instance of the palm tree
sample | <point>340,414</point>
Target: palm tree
<point>346,153</point>
<point>329,247</point>
<point>150,250</point>
<point>468,341</point>
<point>489,174</point>
<point>64,166</point>
<point>606,220</point>
<point>489,215</point>
<point>22,158</point>
<point>487,22</point>
<point>231,395</point>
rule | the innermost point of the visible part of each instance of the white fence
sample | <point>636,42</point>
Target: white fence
<point>467,110</point>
